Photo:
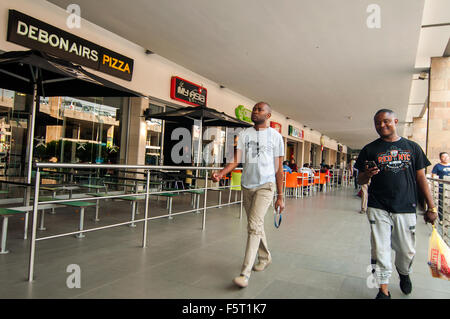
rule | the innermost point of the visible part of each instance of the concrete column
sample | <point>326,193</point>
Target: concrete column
<point>301,156</point>
<point>438,137</point>
<point>419,131</point>
<point>307,152</point>
<point>138,132</point>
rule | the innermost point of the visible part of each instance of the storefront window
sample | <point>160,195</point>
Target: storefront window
<point>153,142</point>
<point>13,132</point>
<point>67,130</point>
<point>78,130</point>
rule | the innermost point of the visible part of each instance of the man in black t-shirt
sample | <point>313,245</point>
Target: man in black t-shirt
<point>396,168</point>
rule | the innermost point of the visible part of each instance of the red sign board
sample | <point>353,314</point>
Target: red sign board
<point>276,126</point>
<point>187,92</point>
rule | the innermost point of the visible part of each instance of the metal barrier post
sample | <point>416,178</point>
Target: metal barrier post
<point>204,205</point>
<point>242,202</point>
<point>147,190</point>
<point>445,213</point>
<point>33,233</point>
<point>4,230</point>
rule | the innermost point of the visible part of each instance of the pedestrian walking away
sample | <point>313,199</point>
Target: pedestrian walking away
<point>441,170</point>
<point>395,167</point>
<point>364,197</point>
<point>261,150</point>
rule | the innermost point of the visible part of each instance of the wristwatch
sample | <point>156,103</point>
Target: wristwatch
<point>433,210</point>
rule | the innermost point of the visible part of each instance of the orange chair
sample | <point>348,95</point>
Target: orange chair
<point>291,183</point>
<point>316,181</point>
<point>307,183</point>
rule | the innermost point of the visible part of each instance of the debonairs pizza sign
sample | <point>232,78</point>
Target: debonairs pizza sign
<point>38,35</point>
<point>243,114</point>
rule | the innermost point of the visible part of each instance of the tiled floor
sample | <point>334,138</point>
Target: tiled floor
<point>321,250</point>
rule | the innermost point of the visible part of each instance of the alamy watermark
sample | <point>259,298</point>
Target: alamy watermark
<point>74,279</point>
<point>186,149</point>
<point>74,18</point>
<point>374,19</point>
<point>371,280</point>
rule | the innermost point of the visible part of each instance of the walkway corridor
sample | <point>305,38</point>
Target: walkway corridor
<point>321,250</point>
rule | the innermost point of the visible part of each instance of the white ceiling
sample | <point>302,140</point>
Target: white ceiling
<point>315,61</point>
<point>433,40</point>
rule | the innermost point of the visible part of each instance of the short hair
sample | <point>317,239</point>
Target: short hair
<point>285,162</point>
<point>442,153</point>
<point>384,111</point>
<point>268,106</point>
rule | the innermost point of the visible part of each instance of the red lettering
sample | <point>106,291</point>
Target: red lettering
<point>380,159</point>
<point>408,157</point>
<point>434,256</point>
<point>433,262</point>
<point>445,270</point>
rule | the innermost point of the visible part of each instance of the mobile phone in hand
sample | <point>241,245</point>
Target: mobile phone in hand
<point>371,164</point>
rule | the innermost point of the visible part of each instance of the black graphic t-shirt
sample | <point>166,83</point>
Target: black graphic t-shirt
<point>394,188</point>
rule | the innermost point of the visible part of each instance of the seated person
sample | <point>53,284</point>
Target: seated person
<point>293,166</point>
<point>286,167</point>
<point>306,169</point>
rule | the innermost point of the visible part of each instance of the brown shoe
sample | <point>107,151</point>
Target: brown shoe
<point>241,281</point>
<point>261,265</point>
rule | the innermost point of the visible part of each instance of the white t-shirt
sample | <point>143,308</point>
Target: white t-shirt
<point>307,170</point>
<point>259,149</point>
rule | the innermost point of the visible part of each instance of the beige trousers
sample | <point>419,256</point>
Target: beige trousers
<point>364,197</point>
<point>256,201</point>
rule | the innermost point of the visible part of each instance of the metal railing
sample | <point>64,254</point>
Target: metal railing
<point>440,190</point>
<point>147,171</point>
<point>336,179</point>
<point>339,178</point>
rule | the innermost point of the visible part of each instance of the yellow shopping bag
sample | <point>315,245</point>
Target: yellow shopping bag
<point>438,256</point>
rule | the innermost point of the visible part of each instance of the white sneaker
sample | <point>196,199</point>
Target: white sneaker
<point>241,281</point>
<point>261,265</point>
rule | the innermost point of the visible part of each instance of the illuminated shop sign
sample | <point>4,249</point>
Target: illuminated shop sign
<point>187,92</point>
<point>243,114</point>
<point>276,126</point>
<point>35,34</point>
<point>295,132</point>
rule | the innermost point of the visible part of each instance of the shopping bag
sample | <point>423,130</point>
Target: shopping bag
<point>438,256</point>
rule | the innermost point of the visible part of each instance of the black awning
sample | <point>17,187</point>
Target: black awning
<point>209,117</point>
<point>19,70</point>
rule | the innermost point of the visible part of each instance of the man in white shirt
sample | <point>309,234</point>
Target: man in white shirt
<point>261,150</point>
<point>306,169</point>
